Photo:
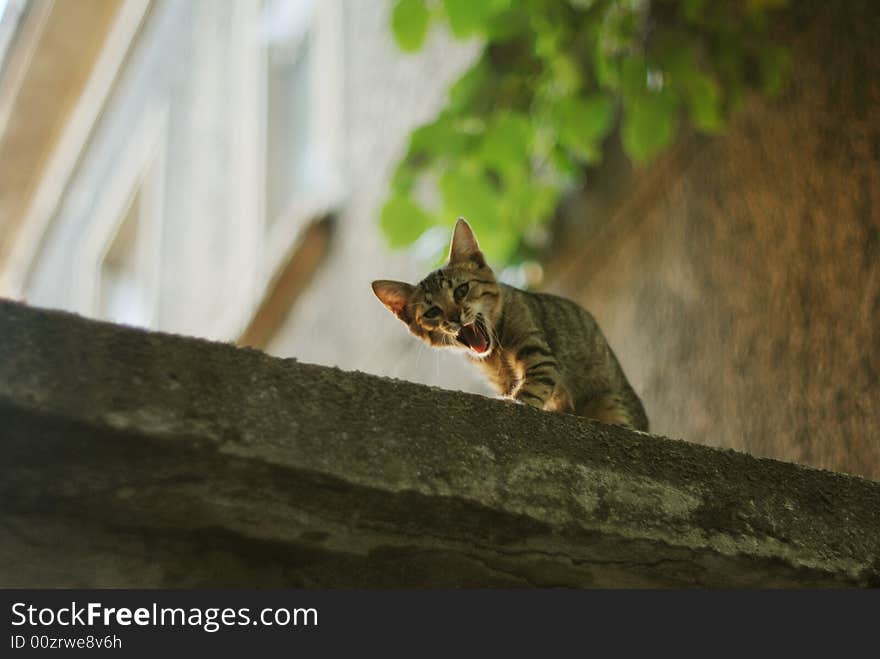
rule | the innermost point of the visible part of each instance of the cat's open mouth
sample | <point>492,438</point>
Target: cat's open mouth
<point>474,336</point>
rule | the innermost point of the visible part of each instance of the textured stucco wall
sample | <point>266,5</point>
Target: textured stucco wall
<point>738,278</point>
<point>129,458</point>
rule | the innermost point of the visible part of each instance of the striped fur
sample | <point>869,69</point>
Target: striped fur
<point>539,349</point>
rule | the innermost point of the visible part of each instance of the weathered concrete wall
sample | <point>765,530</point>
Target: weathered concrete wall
<point>138,459</point>
<point>738,278</point>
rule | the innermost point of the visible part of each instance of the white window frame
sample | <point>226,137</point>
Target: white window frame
<point>263,244</point>
<point>326,31</point>
<point>139,175</point>
<point>10,18</point>
<point>74,138</point>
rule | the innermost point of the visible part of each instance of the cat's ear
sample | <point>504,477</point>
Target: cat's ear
<point>395,295</point>
<point>464,245</point>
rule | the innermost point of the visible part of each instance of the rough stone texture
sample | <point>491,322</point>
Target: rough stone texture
<point>738,278</point>
<point>140,459</point>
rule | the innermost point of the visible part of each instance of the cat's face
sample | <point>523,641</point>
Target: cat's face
<point>454,307</point>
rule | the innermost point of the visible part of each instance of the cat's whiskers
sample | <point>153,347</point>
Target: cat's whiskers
<point>451,341</point>
<point>419,354</point>
<point>493,335</point>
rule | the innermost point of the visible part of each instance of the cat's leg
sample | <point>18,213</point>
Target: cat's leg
<point>560,401</point>
<point>534,396</point>
<point>542,387</point>
<point>607,409</point>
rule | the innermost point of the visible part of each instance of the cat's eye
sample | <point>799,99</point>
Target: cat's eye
<point>433,312</point>
<point>461,291</point>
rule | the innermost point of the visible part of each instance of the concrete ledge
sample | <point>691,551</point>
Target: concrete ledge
<point>133,459</point>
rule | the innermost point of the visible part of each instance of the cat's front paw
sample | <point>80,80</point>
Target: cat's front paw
<point>526,398</point>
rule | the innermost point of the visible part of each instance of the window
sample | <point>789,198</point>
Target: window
<point>290,144</point>
<point>118,255</point>
<point>121,295</point>
<point>11,12</point>
<point>303,114</point>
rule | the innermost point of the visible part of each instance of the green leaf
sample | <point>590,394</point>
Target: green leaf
<point>531,203</point>
<point>774,65</point>
<point>499,245</point>
<point>583,122</point>
<point>439,138</point>
<point>566,74</point>
<point>520,125</point>
<point>469,195</point>
<point>507,143</point>
<point>403,221</point>
<point>469,17</point>
<point>703,96</point>
<point>409,22</point>
<point>475,80</point>
<point>677,55</point>
<point>649,124</point>
<point>565,167</point>
<point>507,25</point>
<point>606,70</point>
<point>633,76</point>
<point>546,45</point>
<point>404,179</point>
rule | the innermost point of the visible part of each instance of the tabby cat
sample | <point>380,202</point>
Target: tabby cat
<point>540,349</point>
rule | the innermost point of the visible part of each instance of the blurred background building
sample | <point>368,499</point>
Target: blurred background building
<point>216,169</point>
